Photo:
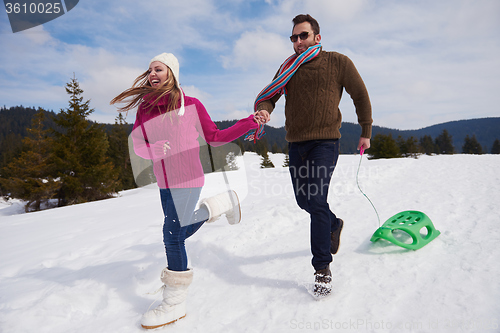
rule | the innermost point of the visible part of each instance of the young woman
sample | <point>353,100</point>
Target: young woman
<point>166,130</point>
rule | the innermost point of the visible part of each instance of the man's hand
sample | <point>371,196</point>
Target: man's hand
<point>262,116</point>
<point>364,143</point>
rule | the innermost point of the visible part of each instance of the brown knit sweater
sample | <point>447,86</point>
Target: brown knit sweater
<point>313,96</point>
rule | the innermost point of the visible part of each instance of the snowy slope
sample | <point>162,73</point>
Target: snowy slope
<point>90,267</point>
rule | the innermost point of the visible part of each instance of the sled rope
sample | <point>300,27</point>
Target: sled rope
<point>357,182</point>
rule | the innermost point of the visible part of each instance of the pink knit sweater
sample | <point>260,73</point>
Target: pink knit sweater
<point>179,166</point>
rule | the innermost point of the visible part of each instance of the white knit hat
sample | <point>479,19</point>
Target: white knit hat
<point>171,62</point>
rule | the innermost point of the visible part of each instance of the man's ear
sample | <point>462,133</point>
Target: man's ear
<point>317,38</point>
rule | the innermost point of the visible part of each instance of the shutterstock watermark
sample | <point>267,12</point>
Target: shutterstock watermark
<point>24,15</point>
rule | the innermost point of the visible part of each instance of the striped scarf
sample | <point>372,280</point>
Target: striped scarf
<point>285,73</point>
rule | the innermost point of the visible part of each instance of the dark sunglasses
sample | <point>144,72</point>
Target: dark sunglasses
<point>302,35</point>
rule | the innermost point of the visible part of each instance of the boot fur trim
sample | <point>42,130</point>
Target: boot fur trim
<point>176,279</point>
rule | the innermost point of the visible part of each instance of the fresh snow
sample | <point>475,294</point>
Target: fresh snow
<point>92,267</point>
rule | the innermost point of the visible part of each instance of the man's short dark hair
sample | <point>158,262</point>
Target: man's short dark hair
<point>301,18</point>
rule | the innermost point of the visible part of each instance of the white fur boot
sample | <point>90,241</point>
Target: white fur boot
<point>173,306</point>
<point>224,203</point>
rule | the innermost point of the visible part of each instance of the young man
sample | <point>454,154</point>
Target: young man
<point>313,120</point>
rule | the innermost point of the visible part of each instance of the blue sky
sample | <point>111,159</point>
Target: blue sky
<point>423,62</point>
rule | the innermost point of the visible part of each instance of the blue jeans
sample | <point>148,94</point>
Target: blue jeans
<point>311,168</point>
<point>181,221</point>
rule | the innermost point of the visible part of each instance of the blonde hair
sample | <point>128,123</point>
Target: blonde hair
<point>142,90</point>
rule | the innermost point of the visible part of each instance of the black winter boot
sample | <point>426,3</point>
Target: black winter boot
<point>322,283</point>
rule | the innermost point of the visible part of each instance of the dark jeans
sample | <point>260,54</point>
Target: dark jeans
<point>181,222</point>
<point>311,168</point>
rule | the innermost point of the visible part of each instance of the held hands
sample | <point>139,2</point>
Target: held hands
<point>261,117</point>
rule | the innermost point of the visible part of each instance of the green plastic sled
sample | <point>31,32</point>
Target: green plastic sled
<point>411,222</point>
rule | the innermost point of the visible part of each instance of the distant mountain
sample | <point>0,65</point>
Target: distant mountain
<point>486,130</point>
<point>15,120</point>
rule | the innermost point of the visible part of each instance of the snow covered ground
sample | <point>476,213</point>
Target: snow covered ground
<point>90,267</point>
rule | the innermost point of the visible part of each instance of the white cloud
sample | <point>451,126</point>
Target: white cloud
<point>38,35</point>
<point>257,48</point>
<point>339,10</point>
<point>234,114</point>
<point>195,92</point>
<point>101,74</point>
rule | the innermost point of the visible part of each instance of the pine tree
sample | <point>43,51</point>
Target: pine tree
<point>118,152</point>
<point>241,145</point>
<point>275,149</point>
<point>286,162</point>
<point>408,147</point>
<point>266,161</point>
<point>10,147</point>
<point>29,178</point>
<point>444,143</point>
<point>261,148</point>
<point>427,145</point>
<point>383,146</point>
<point>231,161</point>
<point>496,147</point>
<point>80,149</point>
<point>286,151</point>
<point>472,146</point>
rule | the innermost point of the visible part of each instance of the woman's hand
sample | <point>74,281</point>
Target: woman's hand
<point>261,117</point>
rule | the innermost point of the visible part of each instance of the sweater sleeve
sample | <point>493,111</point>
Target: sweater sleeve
<point>355,87</point>
<point>216,137</point>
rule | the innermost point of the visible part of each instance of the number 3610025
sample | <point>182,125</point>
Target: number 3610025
<point>33,8</point>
